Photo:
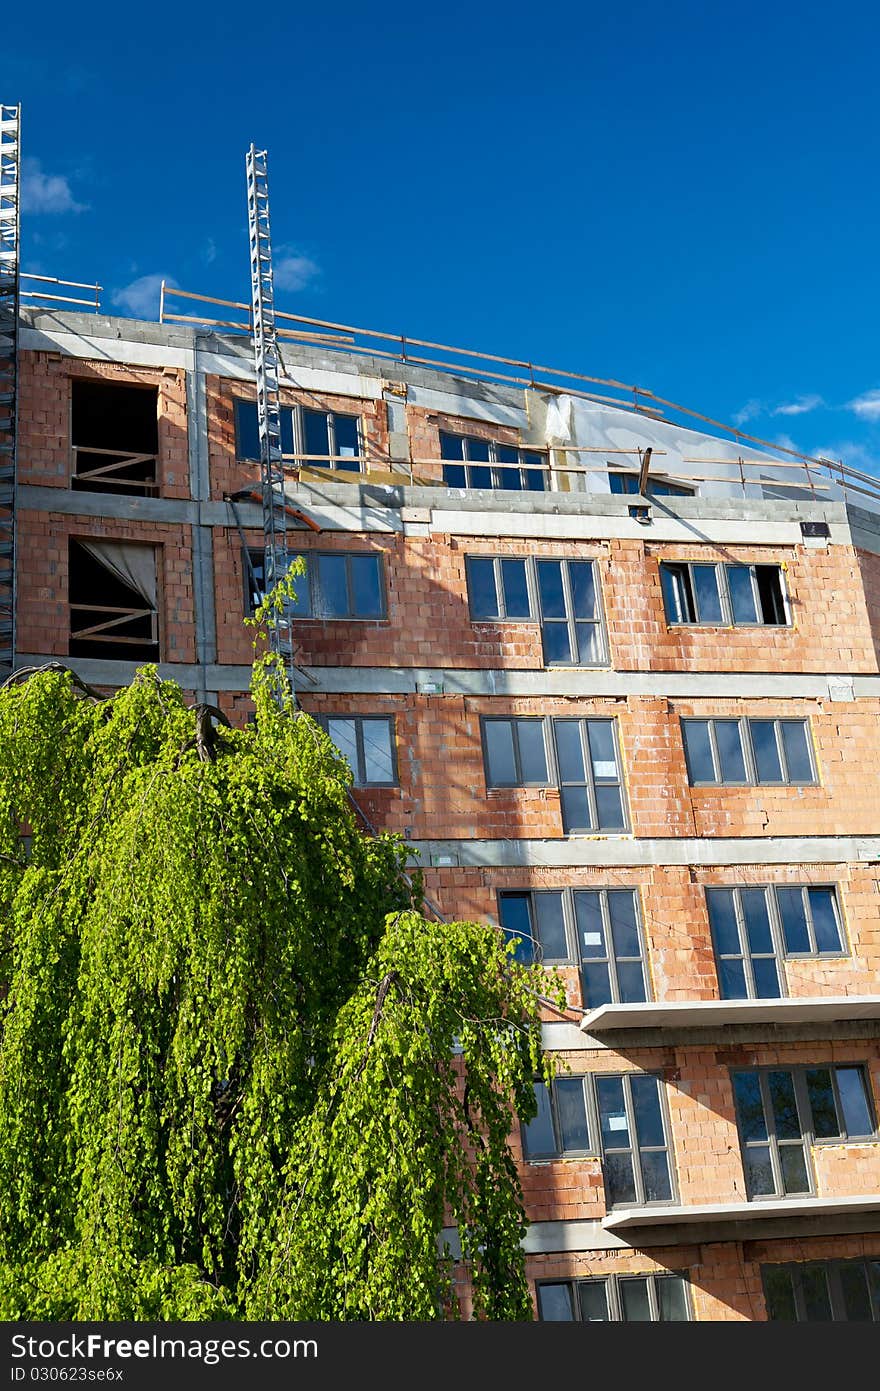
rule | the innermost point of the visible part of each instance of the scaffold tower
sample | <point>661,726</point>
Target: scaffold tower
<point>10,239</point>
<point>276,552</point>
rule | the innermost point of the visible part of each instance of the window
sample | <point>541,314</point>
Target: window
<point>635,1149</point>
<point>600,928</point>
<point>470,462</point>
<point>621,481</point>
<point>617,1298</point>
<point>782,1111</point>
<point>586,765</point>
<point>561,1126</point>
<point>515,752</point>
<point>367,741</point>
<point>498,588</point>
<point>589,775</point>
<point>113,596</point>
<point>310,438</point>
<point>823,1292</point>
<point>624,1114</point>
<point>738,595</point>
<point>336,584</point>
<point>745,752</point>
<point>561,595</point>
<point>114,435</point>
<point>754,928</point>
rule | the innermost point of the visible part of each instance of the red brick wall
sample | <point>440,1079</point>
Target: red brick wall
<point>44,413</point>
<point>43,610</point>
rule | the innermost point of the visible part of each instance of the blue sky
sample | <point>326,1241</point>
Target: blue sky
<point>679,195</point>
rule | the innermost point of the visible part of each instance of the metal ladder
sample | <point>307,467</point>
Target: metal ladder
<point>10,123</point>
<point>275,546</point>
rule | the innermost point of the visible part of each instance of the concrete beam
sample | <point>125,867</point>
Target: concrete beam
<point>569,851</point>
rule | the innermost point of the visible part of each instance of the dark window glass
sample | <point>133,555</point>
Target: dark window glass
<point>533,756</point>
<point>593,1301</point>
<point>378,753</point>
<point>779,1295</point>
<point>516,589</point>
<point>551,926</point>
<point>634,1301</point>
<point>315,433</point>
<point>247,434</point>
<point>698,751</point>
<point>728,738</point>
<point>332,587</point>
<point>854,1101</point>
<point>794,920</point>
<point>814,1288</point>
<point>366,586</point>
<point>499,753</point>
<point>705,582</point>
<point>797,752</point>
<point>571,1111</point>
<point>554,1303</point>
<point>550,588</point>
<point>451,446</point>
<point>454,476</point>
<point>672,1298</point>
<point>516,920</point>
<point>742,597</point>
<point>767,764</point>
<point>822,1107</point>
<point>347,443</point>
<point>856,1294</point>
<point>481,588</point>
<point>825,923</point>
<point>539,1139</point>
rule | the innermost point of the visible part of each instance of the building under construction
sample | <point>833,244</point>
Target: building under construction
<point>612,671</point>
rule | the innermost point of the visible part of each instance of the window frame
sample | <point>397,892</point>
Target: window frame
<point>832,1270</point>
<point>498,467</point>
<point>592,1150</point>
<point>613,1297</point>
<point>597,1148</point>
<point>591,782</point>
<point>634,1149</point>
<point>515,721</point>
<point>358,720</point>
<point>747,747</point>
<point>309,583</point>
<point>808,1138</point>
<point>568,899</point>
<point>549,725</point>
<point>725,596</point>
<point>536,613</point>
<point>781,954</point>
<point>297,459</point>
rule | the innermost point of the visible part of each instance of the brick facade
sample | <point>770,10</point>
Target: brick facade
<point>833,593</point>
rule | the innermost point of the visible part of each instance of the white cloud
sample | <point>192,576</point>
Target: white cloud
<point>866,406</point>
<point>799,406</point>
<point>46,193</point>
<point>209,254</point>
<point>141,296</point>
<point>294,272</point>
<point>785,442</point>
<point>748,412</point>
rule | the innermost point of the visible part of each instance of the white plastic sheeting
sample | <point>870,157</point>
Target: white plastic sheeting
<point>132,564</point>
<point>610,436</point>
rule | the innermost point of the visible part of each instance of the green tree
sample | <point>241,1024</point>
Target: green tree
<point>241,1074</point>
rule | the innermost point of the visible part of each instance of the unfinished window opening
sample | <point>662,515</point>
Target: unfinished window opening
<point>114,438</point>
<point>113,601</point>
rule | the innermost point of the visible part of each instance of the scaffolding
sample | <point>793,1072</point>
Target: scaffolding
<point>275,547</point>
<point>10,238</point>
